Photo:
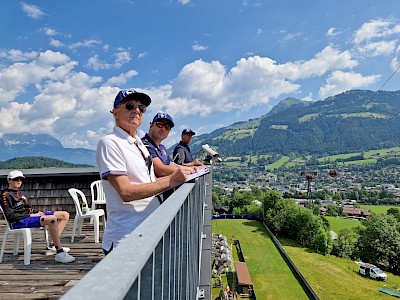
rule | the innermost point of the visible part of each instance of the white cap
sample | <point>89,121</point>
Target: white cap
<point>15,174</point>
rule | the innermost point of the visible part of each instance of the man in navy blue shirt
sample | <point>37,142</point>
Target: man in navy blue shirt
<point>159,130</point>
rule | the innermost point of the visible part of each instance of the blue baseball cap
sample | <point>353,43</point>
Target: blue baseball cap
<point>131,95</point>
<point>163,116</point>
<point>188,130</point>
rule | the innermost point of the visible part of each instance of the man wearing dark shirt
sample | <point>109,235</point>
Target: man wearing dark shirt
<point>182,154</point>
<point>159,131</point>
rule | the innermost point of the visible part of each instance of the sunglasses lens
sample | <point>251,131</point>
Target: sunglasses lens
<point>162,125</point>
<point>17,179</point>
<point>131,106</point>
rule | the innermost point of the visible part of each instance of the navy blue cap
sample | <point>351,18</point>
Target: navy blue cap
<point>188,130</point>
<point>163,116</point>
<point>131,95</point>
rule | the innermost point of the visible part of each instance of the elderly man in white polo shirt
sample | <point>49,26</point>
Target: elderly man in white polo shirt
<point>126,170</point>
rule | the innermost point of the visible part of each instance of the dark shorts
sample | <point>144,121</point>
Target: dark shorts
<point>108,251</point>
<point>31,221</point>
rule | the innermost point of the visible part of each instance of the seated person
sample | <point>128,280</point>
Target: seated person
<point>182,154</point>
<point>20,214</point>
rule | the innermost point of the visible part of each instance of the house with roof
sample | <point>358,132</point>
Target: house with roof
<point>357,212</point>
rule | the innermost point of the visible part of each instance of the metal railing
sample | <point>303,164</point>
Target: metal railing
<point>167,257</point>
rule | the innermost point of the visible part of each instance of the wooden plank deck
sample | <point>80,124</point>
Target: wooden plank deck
<point>44,278</point>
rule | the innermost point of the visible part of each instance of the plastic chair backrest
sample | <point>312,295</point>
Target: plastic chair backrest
<point>27,232</point>
<point>4,217</point>
<point>11,229</point>
<point>96,189</point>
<point>79,197</point>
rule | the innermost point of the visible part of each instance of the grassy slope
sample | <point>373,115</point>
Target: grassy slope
<point>271,276</point>
<point>336,278</point>
<point>330,277</point>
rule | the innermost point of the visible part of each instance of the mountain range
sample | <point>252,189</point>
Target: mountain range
<point>27,144</point>
<point>354,121</point>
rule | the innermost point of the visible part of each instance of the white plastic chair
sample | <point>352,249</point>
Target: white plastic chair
<point>27,233</point>
<point>97,193</point>
<point>79,197</point>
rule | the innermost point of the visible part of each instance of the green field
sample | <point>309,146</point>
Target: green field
<point>279,163</point>
<point>271,277</point>
<point>338,224</point>
<point>330,277</point>
<point>382,152</point>
<point>378,209</point>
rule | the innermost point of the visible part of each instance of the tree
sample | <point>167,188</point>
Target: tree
<point>320,195</point>
<point>215,197</point>
<point>344,245</point>
<point>395,212</point>
<point>379,241</point>
<point>331,210</point>
<point>270,199</point>
<point>239,199</point>
<point>281,219</point>
<point>322,241</point>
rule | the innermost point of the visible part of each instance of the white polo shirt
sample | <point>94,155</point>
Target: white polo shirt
<point>121,154</point>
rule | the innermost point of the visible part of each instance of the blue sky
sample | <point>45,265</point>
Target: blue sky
<point>208,63</point>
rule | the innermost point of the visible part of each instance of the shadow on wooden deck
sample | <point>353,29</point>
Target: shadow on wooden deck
<point>45,278</point>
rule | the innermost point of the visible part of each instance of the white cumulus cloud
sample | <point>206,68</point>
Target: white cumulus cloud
<point>340,81</point>
<point>121,79</point>
<point>376,29</point>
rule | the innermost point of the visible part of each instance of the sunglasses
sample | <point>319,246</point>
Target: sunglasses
<point>163,125</point>
<point>17,179</point>
<point>131,106</point>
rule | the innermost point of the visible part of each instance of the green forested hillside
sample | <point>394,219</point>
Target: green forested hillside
<point>353,121</point>
<point>33,162</point>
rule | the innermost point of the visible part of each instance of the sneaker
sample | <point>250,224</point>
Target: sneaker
<point>52,250</point>
<point>64,257</point>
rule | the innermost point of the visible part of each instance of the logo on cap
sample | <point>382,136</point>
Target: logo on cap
<point>131,94</point>
<point>188,130</point>
<point>165,116</point>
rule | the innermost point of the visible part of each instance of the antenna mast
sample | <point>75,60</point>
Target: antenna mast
<point>309,176</point>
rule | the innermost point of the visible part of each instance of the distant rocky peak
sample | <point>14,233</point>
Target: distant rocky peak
<point>30,140</point>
